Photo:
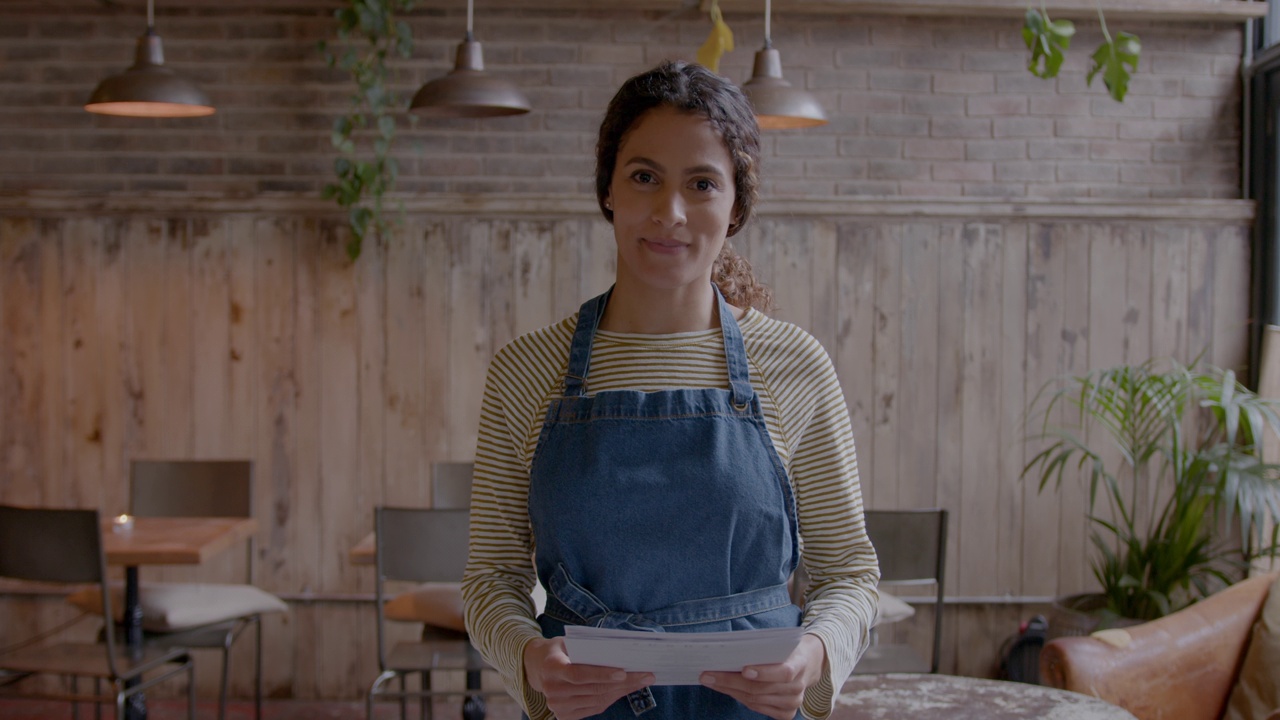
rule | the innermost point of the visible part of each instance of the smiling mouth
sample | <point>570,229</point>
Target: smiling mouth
<point>663,245</point>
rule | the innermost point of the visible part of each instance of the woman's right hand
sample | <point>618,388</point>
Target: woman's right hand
<point>576,691</point>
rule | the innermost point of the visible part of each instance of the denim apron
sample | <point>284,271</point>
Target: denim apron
<point>664,511</point>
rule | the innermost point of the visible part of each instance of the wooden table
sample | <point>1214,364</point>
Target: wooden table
<point>926,697</point>
<point>163,541</point>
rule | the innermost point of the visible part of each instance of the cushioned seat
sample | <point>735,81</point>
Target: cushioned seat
<point>171,607</point>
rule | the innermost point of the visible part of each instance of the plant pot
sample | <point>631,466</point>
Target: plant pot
<point>1081,614</point>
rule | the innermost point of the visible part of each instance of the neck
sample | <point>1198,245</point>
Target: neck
<point>650,311</point>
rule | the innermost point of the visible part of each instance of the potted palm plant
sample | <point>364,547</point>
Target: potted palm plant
<point>1191,435</point>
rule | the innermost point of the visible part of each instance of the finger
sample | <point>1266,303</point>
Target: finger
<point>593,674</point>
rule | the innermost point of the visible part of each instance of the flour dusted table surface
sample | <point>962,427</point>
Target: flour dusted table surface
<point>927,697</point>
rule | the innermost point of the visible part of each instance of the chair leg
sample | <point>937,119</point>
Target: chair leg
<point>75,704</point>
<point>191,688</point>
<point>97,699</point>
<point>257,668</point>
<point>403,700</point>
<point>222,690</point>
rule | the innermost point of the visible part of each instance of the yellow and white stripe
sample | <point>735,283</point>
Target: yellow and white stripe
<point>807,420</point>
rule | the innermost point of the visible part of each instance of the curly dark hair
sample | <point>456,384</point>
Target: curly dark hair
<point>691,88</point>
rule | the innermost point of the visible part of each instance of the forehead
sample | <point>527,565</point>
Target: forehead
<point>667,132</point>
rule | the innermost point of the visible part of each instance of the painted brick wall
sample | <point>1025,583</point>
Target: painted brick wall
<point>919,106</point>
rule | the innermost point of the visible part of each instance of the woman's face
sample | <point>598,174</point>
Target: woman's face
<point>672,195</point>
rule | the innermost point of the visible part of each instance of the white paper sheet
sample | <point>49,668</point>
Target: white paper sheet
<point>679,658</point>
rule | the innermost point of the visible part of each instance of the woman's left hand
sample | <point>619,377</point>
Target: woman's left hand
<point>774,690</point>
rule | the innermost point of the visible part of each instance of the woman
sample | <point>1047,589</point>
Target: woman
<point>662,452</point>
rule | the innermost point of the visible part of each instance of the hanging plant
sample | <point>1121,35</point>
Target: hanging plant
<point>1116,59</point>
<point>718,42</point>
<point>366,171</point>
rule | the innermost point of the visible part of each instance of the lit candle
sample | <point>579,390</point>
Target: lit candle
<point>122,523</point>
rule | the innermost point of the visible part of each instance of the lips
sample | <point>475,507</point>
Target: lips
<point>663,246</point>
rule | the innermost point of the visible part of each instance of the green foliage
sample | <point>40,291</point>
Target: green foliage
<point>1127,429</point>
<point>1048,40</point>
<point>366,171</point>
<point>1116,60</point>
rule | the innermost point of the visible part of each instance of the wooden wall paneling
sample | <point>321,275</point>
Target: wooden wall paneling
<point>602,265</point>
<point>534,276</point>
<point>853,352</point>
<point>468,346</point>
<point>1044,328</point>
<point>1139,281</point>
<point>143,301</point>
<point>88,333</point>
<point>793,273</point>
<point>435,273</point>
<point>824,322</point>
<point>406,459</point>
<point>213,422</point>
<point>1075,546</point>
<point>284,563</point>
<point>373,310</point>
<point>500,285</point>
<point>1169,248</point>
<point>918,386</point>
<point>1201,260</point>
<point>887,347</point>
<point>980,486</point>
<point>339,343</point>
<point>944,485</point>
<point>21,365</point>
<point>1231,299</point>
<point>1010,526</point>
<point>52,375</point>
<point>569,250</point>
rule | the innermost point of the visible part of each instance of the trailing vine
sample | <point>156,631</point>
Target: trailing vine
<point>1115,60</point>
<point>370,34</point>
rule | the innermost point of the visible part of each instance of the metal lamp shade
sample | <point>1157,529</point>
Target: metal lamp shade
<point>468,91</point>
<point>149,89</point>
<point>777,105</point>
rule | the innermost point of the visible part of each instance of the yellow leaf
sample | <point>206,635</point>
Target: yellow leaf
<point>719,42</point>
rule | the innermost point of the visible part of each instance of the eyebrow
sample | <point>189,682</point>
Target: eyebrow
<point>695,170</point>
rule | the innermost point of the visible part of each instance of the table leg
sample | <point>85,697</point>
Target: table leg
<point>136,706</point>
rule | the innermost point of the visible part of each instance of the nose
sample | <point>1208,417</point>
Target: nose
<point>668,208</point>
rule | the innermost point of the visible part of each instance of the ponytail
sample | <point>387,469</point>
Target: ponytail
<point>732,274</point>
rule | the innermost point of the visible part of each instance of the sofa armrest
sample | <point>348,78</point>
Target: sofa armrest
<point>1180,666</point>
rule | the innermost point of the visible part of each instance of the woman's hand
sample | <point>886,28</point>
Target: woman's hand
<point>576,691</point>
<point>774,690</point>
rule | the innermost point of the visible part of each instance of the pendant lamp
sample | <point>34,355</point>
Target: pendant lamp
<point>468,91</point>
<point>778,106</point>
<point>149,89</point>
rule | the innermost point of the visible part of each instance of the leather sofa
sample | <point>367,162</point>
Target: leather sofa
<point>1180,667</point>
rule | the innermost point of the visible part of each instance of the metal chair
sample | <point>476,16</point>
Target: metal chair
<point>204,488</point>
<point>65,546</point>
<point>912,549</point>
<point>417,545</point>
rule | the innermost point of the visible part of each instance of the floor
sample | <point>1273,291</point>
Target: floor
<point>499,708</point>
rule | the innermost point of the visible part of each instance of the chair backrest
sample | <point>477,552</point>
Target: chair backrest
<point>59,546</point>
<point>420,544</point>
<point>912,548</point>
<point>451,484</point>
<point>62,546</point>
<point>191,488</point>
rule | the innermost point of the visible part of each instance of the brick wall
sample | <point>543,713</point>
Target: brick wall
<point>919,106</point>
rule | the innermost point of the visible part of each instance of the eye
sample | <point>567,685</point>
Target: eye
<point>704,185</point>
<point>643,177</point>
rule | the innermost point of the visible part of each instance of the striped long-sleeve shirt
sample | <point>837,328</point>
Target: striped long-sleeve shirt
<point>807,421</point>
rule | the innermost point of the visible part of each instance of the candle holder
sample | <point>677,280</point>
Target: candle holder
<point>122,523</point>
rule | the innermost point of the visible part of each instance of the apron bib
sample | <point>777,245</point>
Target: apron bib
<point>664,511</point>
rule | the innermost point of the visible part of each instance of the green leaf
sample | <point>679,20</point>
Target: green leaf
<point>1046,40</point>
<point>1115,61</point>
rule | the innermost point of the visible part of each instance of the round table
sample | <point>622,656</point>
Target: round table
<point>906,697</point>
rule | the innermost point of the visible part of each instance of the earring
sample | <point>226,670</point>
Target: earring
<point>608,204</point>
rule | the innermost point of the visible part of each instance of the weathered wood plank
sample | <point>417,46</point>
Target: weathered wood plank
<point>854,350</point>
<point>1010,525</point>
<point>887,346</point>
<point>918,368</point>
